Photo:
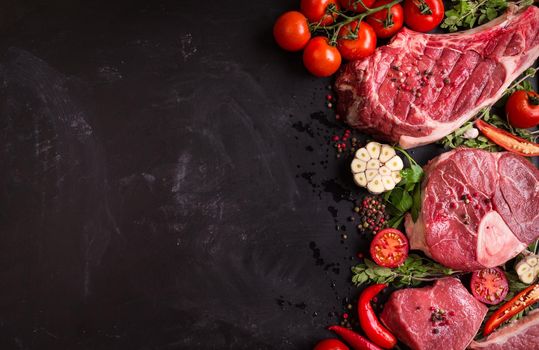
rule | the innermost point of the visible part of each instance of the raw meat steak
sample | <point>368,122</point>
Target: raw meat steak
<point>415,316</point>
<point>421,87</point>
<point>521,335</point>
<point>479,209</point>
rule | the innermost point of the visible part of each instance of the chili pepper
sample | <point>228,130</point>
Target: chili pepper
<point>356,341</point>
<point>508,141</point>
<point>370,324</point>
<point>522,300</point>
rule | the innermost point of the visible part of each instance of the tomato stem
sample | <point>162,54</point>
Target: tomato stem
<point>336,28</point>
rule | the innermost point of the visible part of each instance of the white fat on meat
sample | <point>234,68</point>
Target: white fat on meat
<point>493,238</point>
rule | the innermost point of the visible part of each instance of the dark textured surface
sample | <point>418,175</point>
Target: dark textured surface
<point>163,180</point>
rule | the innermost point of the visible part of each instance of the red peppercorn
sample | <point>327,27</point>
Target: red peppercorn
<point>329,97</point>
<point>475,194</point>
<point>451,313</point>
<point>360,255</point>
<point>452,205</point>
<point>335,138</point>
<point>337,116</point>
<point>345,315</point>
<point>477,206</point>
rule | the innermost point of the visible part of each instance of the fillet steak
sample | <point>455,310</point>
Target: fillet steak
<point>443,316</point>
<point>521,335</point>
<point>421,87</point>
<point>479,209</point>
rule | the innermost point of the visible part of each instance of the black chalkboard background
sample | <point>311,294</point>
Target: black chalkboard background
<point>166,180</point>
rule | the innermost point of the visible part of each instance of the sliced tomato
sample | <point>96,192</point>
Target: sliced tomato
<point>489,286</point>
<point>508,141</point>
<point>389,248</point>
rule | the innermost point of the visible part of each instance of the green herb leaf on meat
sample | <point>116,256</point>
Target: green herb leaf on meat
<point>467,14</point>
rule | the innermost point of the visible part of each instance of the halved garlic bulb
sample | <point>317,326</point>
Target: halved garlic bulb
<point>377,167</point>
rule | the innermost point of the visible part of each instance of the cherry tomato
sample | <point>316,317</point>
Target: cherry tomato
<point>489,286</point>
<point>423,15</point>
<point>389,248</point>
<point>320,58</point>
<point>386,24</point>
<point>331,344</point>
<point>362,46</point>
<point>355,5</point>
<point>291,31</point>
<point>522,109</point>
<point>318,11</point>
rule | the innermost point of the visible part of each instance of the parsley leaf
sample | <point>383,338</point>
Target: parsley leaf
<point>467,14</point>
<point>413,272</point>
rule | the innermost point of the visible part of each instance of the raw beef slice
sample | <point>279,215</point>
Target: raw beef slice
<point>421,87</point>
<point>521,335</point>
<point>443,316</point>
<point>479,209</point>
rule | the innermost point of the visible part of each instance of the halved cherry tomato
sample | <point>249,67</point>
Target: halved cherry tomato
<point>507,140</point>
<point>318,11</point>
<point>522,300</point>
<point>356,40</point>
<point>489,286</point>
<point>522,109</point>
<point>389,248</point>
<point>355,5</point>
<point>384,23</point>
<point>291,31</point>
<point>423,15</point>
<point>320,58</point>
<point>331,344</point>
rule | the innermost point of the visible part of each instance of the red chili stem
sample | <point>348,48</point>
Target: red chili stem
<point>356,341</point>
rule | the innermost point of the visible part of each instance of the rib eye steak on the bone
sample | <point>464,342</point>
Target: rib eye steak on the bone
<point>421,87</point>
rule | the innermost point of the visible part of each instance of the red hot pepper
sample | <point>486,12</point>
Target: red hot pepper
<point>356,341</point>
<point>370,324</point>
<point>522,300</point>
<point>507,140</point>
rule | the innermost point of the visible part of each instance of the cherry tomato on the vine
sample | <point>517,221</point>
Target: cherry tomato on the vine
<point>331,344</point>
<point>356,42</point>
<point>319,10</point>
<point>522,109</point>
<point>384,23</point>
<point>320,58</point>
<point>355,5</point>
<point>423,15</point>
<point>291,31</point>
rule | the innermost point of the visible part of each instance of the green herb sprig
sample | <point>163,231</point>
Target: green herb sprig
<point>468,13</point>
<point>413,272</point>
<point>406,196</point>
